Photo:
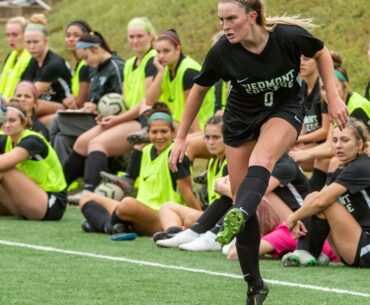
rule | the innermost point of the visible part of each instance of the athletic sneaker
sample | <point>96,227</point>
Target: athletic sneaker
<point>75,198</point>
<point>125,183</point>
<point>233,224</point>
<point>205,242</point>
<point>88,228</point>
<point>258,296</point>
<point>138,137</point>
<point>182,238</point>
<point>226,248</point>
<point>169,233</point>
<point>298,258</point>
<point>323,260</point>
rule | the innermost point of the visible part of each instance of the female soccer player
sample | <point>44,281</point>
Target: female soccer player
<point>18,59</point>
<point>342,207</point>
<point>263,115</point>
<point>47,70</point>
<point>157,185</point>
<point>28,163</point>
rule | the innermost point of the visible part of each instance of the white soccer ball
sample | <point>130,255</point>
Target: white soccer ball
<point>110,190</point>
<point>111,104</point>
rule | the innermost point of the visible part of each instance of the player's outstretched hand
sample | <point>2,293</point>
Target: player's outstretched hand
<point>338,112</point>
<point>177,153</point>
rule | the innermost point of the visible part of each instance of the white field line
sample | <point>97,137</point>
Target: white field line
<point>193,270</point>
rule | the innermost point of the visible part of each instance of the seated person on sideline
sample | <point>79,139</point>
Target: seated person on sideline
<point>287,187</point>
<point>157,184</point>
<point>341,207</point>
<point>27,160</point>
<point>174,217</point>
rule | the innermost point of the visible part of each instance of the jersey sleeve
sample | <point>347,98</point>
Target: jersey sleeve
<point>308,44</point>
<point>188,80</point>
<point>84,75</point>
<point>209,73</point>
<point>356,175</point>
<point>150,69</point>
<point>34,145</point>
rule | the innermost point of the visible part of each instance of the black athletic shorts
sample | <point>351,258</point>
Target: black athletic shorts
<point>362,259</point>
<point>57,203</point>
<point>249,128</point>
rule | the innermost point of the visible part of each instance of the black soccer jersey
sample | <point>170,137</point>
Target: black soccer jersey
<point>355,177</point>
<point>259,82</point>
<point>54,70</point>
<point>314,107</point>
<point>294,185</point>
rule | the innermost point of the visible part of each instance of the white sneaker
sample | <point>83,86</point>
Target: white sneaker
<point>181,238</point>
<point>226,248</point>
<point>205,242</point>
<point>298,258</point>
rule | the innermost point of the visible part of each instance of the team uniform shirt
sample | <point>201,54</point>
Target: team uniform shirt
<point>260,83</point>
<point>157,183</point>
<point>215,170</point>
<point>106,78</point>
<point>355,177</point>
<point>294,186</point>
<point>80,74</point>
<point>54,70</point>
<point>14,66</point>
<point>40,128</point>
<point>134,76</point>
<point>359,108</point>
<point>314,107</point>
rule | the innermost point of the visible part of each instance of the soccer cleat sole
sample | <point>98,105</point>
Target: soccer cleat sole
<point>233,224</point>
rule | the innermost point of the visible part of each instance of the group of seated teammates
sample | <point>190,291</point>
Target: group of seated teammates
<point>37,84</point>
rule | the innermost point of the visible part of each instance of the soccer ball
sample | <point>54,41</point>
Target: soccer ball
<point>110,190</point>
<point>111,104</point>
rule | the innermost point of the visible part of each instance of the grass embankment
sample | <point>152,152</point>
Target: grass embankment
<point>344,25</point>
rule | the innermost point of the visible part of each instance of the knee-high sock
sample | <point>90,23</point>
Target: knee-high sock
<point>74,167</point>
<point>318,230</point>
<point>251,190</point>
<point>97,216</point>
<point>133,168</point>
<point>212,215</point>
<point>317,180</point>
<point>247,245</point>
<point>95,162</point>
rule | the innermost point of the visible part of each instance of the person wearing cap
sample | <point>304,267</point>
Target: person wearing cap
<point>24,154</point>
<point>17,60</point>
<point>48,71</point>
<point>142,213</point>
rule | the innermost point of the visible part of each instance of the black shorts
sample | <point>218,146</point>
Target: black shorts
<point>57,203</point>
<point>362,259</point>
<point>248,128</point>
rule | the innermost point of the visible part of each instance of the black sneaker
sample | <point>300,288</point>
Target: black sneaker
<point>257,296</point>
<point>88,228</point>
<point>169,233</point>
<point>125,183</point>
<point>138,137</point>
